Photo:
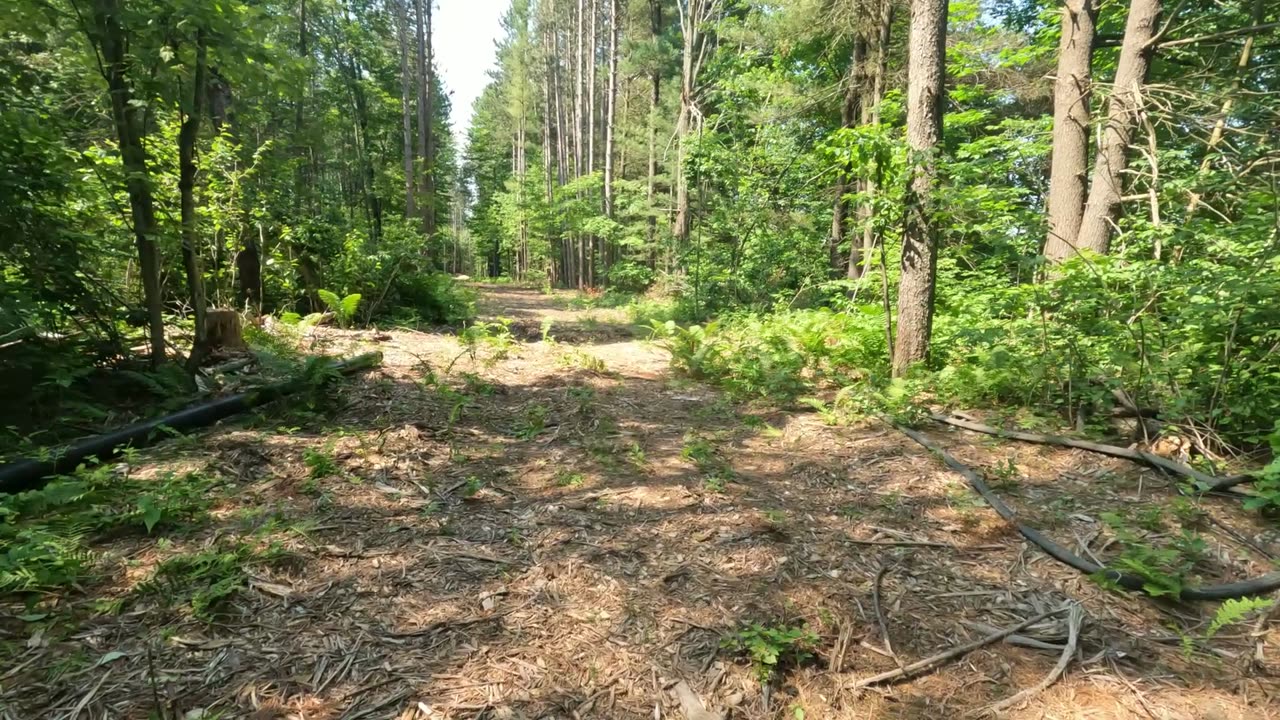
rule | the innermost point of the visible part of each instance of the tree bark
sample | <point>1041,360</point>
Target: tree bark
<point>429,155</point>
<point>655,27</point>
<point>610,103</point>
<point>689,28</point>
<point>1068,170</point>
<point>423,171</point>
<point>871,235</point>
<point>850,114</point>
<point>109,35</point>
<point>1123,110</point>
<point>406,106</point>
<point>187,135</point>
<point>925,98</point>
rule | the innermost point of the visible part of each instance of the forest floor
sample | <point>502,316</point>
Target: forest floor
<point>564,529</point>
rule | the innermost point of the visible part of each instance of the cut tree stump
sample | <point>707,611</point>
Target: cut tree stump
<point>224,330</point>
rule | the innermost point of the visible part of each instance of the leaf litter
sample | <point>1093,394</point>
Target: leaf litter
<point>520,538</point>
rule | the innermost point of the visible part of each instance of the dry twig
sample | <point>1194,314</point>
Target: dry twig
<point>1074,620</point>
<point>959,651</point>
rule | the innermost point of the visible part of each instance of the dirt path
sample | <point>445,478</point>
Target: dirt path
<point>555,527</point>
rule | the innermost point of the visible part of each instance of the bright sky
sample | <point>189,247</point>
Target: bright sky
<point>464,37</point>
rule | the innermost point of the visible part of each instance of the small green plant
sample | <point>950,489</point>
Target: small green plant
<point>1266,484</point>
<point>636,456</point>
<point>473,486</point>
<point>692,349</point>
<point>1163,569</point>
<point>697,449</point>
<point>473,384</point>
<point>1004,476</point>
<point>207,580</point>
<point>584,396</point>
<point>320,463</point>
<point>569,479</point>
<point>714,483</point>
<point>343,308</point>
<point>582,360</point>
<point>533,422</point>
<point>771,649</point>
<point>496,336</point>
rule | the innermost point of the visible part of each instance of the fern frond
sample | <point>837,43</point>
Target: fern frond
<point>1235,610</point>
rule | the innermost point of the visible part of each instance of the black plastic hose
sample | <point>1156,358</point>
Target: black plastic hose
<point>30,473</point>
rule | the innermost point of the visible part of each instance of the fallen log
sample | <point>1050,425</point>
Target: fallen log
<point>31,473</point>
<point>1205,483</point>
<point>1256,586</point>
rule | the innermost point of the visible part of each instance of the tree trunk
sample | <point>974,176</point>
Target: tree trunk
<point>871,110</point>
<point>610,100</point>
<point>187,135</point>
<point>689,29</point>
<point>108,34</point>
<point>429,157</point>
<point>548,195</point>
<point>850,112</point>
<point>1068,170</point>
<point>1123,109</point>
<point>422,171</point>
<point>307,272</point>
<point>925,98</point>
<point>406,106</point>
<point>655,27</point>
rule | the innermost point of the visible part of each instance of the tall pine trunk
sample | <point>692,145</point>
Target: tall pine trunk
<point>611,99</point>
<point>1068,170</point>
<point>406,107</point>
<point>655,28</point>
<point>427,101</point>
<point>926,68</point>
<point>187,135</point>
<point>1123,109</point>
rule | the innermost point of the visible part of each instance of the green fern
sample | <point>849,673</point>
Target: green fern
<point>1235,610</point>
<point>343,309</point>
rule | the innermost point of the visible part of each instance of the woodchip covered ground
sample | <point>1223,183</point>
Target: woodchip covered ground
<point>535,543</point>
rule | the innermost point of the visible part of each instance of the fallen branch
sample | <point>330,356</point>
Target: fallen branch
<point>1205,483</point>
<point>1256,586</point>
<point>880,618</point>
<point>959,651</point>
<point>1074,620</point>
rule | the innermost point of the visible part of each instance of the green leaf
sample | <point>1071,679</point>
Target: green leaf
<point>151,513</point>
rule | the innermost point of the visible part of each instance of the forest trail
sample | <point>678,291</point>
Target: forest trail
<point>557,527</point>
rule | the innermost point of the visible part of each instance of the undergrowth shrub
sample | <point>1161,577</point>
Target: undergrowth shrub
<point>1199,342</point>
<point>780,356</point>
<point>46,534</point>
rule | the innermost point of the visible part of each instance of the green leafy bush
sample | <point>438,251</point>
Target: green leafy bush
<point>771,648</point>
